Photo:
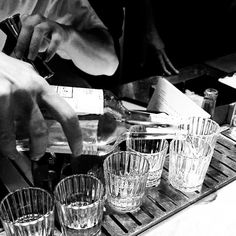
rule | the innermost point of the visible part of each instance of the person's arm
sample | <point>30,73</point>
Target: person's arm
<point>92,51</point>
<point>154,40</point>
<point>74,32</point>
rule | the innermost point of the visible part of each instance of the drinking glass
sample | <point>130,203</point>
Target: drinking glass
<point>125,175</point>
<point>200,127</point>
<point>154,150</point>
<point>80,201</point>
<point>188,163</point>
<point>28,212</point>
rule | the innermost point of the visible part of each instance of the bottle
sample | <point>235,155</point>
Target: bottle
<point>209,101</point>
<point>97,101</point>
<point>104,122</point>
<point>11,27</point>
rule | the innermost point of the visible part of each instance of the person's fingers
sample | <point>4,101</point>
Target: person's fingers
<point>170,63</point>
<point>7,132</point>
<point>39,40</point>
<point>36,88</point>
<point>38,133</point>
<point>58,36</point>
<point>23,104</point>
<point>29,121</point>
<point>53,46</point>
<point>36,41</point>
<point>24,38</point>
<point>163,64</point>
<point>66,116</point>
<point>23,17</point>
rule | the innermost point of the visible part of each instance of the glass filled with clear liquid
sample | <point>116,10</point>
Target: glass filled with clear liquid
<point>189,160</point>
<point>126,175</point>
<point>80,201</point>
<point>28,212</point>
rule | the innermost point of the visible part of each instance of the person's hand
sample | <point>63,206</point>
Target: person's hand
<point>156,44</point>
<point>165,62</point>
<point>39,34</point>
<point>22,91</point>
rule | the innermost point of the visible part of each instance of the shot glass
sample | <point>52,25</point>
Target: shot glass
<point>125,175</point>
<point>80,201</point>
<point>188,163</point>
<point>200,127</point>
<point>155,151</point>
<point>28,212</point>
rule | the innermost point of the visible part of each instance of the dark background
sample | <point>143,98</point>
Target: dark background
<point>193,31</point>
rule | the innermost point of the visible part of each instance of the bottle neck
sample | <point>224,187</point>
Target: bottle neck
<point>87,101</point>
<point>209,102</point>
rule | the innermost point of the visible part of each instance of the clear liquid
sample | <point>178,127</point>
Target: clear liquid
<point>124,194</point>
<point>154,178</point>
<point>81,220</point>
<point>31,225</point>
<point>187,174</point>
<point>128,204</point>
<point>92,231</point>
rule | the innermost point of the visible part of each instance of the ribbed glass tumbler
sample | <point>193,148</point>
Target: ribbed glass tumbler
<point>188,163</point>
<point>200,127</point>
<point>80,201</point>
<point>125,177</point>
<point>155,151</point>
<point>28,212</point>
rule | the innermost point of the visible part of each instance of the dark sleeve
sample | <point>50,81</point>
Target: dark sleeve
<point>112,15</point>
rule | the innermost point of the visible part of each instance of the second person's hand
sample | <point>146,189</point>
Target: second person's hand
<point>39,34</point>
<point>165,62</point>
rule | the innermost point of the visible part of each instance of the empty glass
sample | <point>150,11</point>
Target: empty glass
<point>188,163</point>
<point>80,201</point>
<point>125,177</point>
<point>28,212</point>
<point>154,150</point>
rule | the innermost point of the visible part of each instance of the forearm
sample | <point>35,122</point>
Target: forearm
<point>92,51</point>
<point>152,34</point>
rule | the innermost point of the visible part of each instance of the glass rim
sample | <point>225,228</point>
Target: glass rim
<point>215,132</point>
<point>209,153</point>
<point>103,195</point>
<point>22,189</point>
<point>202,118</point>
<point>132,152</point>
<point>166,145</point>
<point>184,121</point>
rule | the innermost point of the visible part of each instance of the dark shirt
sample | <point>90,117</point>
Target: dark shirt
<point>197,30</point>
<point>192,31</point>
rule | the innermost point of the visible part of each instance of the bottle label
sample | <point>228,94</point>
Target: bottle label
<point>82,100</point>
